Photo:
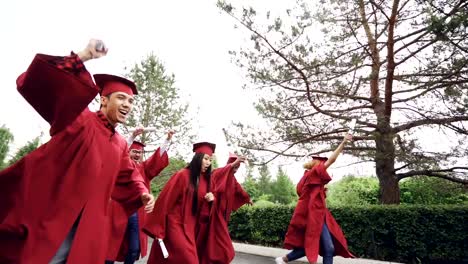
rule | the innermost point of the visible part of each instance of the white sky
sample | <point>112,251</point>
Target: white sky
<point>192,38</point>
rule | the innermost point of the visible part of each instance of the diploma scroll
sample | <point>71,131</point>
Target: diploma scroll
<point>163,248</point>
<point>100,46</point>
<point>146,129</point>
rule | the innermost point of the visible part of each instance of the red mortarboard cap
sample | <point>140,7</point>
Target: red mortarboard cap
<point>232,158</point>
<point>319,158</point>
<point>112,83</point>
<point>136,145</point>
<point>204,147</point>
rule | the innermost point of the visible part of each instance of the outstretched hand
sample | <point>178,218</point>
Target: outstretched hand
<point>148,201</point>
<point>239,160</point>
<point>138,131</point>
<point>170,133</point>
<point>348,137</point>
<point>95,49</point>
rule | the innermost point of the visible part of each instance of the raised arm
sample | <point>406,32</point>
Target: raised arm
<point>94,50</point>
<point>59,88</point>
<point>159,160</point>
<point>130,189</point>
<point>138,131</point>
<point>337,151</point>
<point>167,142</point>
<point>220,175</point>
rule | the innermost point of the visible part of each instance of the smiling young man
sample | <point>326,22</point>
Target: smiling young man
<point>54,201</point>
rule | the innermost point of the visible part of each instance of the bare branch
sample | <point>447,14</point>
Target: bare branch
<point>413,54</point>
<point>431,121</point>
<point>299,71</point>
<point>379,8</point>
<point>454,174</point>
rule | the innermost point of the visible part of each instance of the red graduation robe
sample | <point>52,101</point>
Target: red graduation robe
<point>310,214</point>
<point>214,245</point>
<point>172,220</point>
<point>73,175</point>
<point>118,244</point>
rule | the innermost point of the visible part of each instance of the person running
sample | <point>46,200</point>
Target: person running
<point>182,209</point>
<point>127,240</point>
<point>54,200</point>
<point>313,229</point>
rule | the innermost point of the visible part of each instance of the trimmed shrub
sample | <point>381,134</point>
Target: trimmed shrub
<point>409,234</point>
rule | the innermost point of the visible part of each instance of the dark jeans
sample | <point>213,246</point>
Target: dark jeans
<point>326,244</point>
<point>133,240</point>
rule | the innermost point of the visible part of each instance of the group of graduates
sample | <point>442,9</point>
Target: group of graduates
<point>85,197</point>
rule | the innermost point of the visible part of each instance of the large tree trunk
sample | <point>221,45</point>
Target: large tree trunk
<point>385,165</point>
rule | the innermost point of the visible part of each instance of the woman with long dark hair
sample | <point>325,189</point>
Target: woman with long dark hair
<point>176,217</point>
<point>214,244</point>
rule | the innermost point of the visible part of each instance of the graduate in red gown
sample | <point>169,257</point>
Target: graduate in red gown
<point>313,229</point>
<point>127,241</point>
<point>54,201</point>
<point>180,206</point>
<point>215,245</point>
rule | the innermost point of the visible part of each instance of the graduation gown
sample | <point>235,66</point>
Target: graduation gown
<point>214,243</point>
<point>118,244</point>
<point>310,214</point>
<point>172,220</point>
<point>72,176</point>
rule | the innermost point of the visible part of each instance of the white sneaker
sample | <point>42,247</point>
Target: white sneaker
<point>279,260</point>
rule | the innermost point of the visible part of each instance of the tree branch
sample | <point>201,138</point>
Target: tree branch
<point>374,85</point>
<point>299,71</point>
<point>390,61</point>
<point>432,121</point>
<point>452,174</point>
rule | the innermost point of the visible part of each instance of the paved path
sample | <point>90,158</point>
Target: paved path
<point>252,254</point>
<point>271,253</point>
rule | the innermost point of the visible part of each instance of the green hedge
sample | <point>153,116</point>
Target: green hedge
<point>409,234</point>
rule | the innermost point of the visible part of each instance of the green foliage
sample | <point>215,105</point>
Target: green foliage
<point>5,139</point>
<point>30,146</point>
<point>265,197</point>
<point>214,163</point>
<point>352,190</point>
<point>250,185</point>
<point>240,227</point>
<point>264,225</point>
<point>417,190</point>
<point>175,164</point>
<point>262,202</point>
<point>315,65</point>
<point>408,234</point>
<point>282,189</point>
<point>264,180</point>
<point>430,190</point>
<point>264,191</point>
<point>158,102</point>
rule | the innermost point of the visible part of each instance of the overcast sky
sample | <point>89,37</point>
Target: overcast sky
<point>192,38</point>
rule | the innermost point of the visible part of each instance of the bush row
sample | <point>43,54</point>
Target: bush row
<point>409,234</point>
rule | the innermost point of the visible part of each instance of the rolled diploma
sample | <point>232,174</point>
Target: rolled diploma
<point>352,125</point>
<point>146,129</point>
<point>163,248</point>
